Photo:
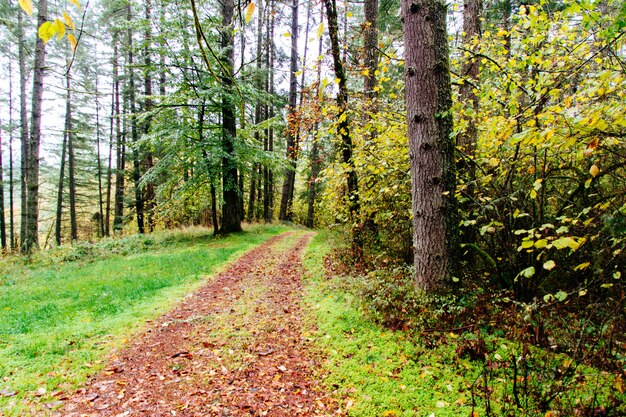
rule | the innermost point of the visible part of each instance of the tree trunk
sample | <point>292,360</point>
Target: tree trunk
<point>31,238</point>
<point>3,228</point>
<point>370,44</point>
<point>71,163</point>
<point>139,201</point>
<point>231,216</point>
<point>23,126</point>
<point>59,215</point>
<point>101,230</point>
<point>11,185</point>
<point>315,147</point>
<point>431,149</point>
<point>268,174</point>
<point>120,146</point>
<point>286,202</point>
<point>343,126</point>
<point>149,195</point>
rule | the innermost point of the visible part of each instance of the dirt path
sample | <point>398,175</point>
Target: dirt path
<point>233,348</point>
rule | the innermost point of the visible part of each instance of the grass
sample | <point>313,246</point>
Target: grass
<point>59,318</point>
<point>374,371</point>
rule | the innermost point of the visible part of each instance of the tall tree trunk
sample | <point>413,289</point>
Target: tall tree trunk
<point>101,231</point>
<point>315,147</point>
<point>371,52</point>
<point>343,126</point>
<point>231,216</point>
<point>23,126</point>
<point>31,238</point>
<point>471,28</point>
<point>71,163</point>
<point>11,185</point>
<point>286,202</point>
<point>431,149</point>
<point>139,201</point>
<point>150,196</point>
<point>268,174</point>
<point>3,226</point>
<point>59,215</point>
<point>120,146</point>
<point>107,216</point>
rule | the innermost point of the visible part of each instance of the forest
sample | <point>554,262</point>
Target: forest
<point>450,174</point>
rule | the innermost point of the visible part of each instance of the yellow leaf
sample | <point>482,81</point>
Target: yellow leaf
<point>46,31</point>
<point>68,21</point>
<point>582,266</point>
<point>549,414</point>
<point>287,35</point>
<point>75,3</point>
<point>250,11</point>
<point>73,41</point>
<point>27,6</point>
<point>594,170</point>
<point>320,30</point>
<point>60,29</point>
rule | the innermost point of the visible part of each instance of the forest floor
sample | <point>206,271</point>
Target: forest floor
<point>234,347</point>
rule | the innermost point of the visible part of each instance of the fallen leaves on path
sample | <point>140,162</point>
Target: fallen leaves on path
<point>233,348</point>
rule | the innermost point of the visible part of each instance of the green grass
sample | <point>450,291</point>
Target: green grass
<point>374,371</point>
<point>58,320</point>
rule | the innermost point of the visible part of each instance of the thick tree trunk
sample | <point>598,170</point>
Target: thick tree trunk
<point>286,202</point>
<point>59,214</point>
<point>107,220</point>
<point>370,45</point>
<point>120,146</point>
<point>231,216</point>
<point>31,238</point>
<point>71,163</point>
<point>431,150</point>
<point>23,126</point>
<point>343,127</point>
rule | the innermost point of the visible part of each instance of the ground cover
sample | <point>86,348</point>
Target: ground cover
<point>62,313</point>
<point>375,371</point>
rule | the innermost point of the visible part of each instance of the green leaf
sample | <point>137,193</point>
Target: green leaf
<point>561,295</point>
<point>548,265</point>
<point>565,242</point>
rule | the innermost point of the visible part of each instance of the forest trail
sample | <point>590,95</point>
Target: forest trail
<point>234,347</point>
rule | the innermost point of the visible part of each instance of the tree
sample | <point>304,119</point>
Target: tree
<point>431,149</point>
<point>343,125</point>
<point>231,216</point>
<point>3,229</point>
<point>286,202</point>
<point>30,239</point>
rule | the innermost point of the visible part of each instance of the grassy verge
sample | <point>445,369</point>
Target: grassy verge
<point>377,372</point>
<point>58,320</point>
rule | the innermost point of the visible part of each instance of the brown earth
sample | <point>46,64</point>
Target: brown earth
<point>236,347</point>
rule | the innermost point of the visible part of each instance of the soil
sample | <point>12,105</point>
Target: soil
<point>235,347</point>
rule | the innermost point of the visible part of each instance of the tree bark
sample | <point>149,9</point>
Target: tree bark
<point>231,216</point>
<point>71,163</point>
<point>120,146</point>
<point>3,228</point>
<point>370,45</point>
<point>139,200</point>
<point>149,195</point>
<point>431,149</point>
<point>286,202</point>
<point>31,238</point>
<point>59,214</point>
<point>101,231</point>
<point>268,174</point>
<point>23,126</point>
<point>11,185</point>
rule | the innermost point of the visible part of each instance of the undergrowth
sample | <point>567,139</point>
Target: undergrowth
<point>393,352</point>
